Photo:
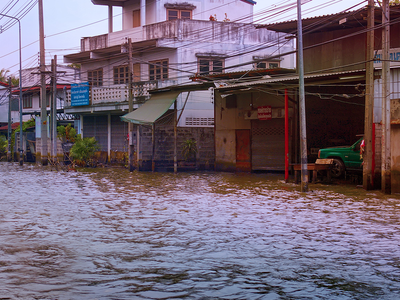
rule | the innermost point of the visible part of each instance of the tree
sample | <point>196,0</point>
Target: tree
<point>4,77</point>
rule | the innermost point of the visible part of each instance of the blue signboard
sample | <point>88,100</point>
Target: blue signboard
<point>80,94</point>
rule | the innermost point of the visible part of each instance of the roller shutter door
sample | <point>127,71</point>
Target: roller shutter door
<point>96,126</point>
<point>119,134</point>
<point>268,144</point>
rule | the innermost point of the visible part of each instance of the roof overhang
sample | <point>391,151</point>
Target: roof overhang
<point>37,88</point>
<point>110,2</point>
<point>160,101</point>
<point>292,81</point>
<point>250,1</point>
<point>111,52</point>
<point>152,109</point>
<point>343,20</point>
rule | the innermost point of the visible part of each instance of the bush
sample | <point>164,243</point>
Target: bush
<point>84,150</point>
<point>3,146</point>
<point>67,134</point>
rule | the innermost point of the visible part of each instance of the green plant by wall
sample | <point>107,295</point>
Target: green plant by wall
<point>3,146</point>
<point>84,150</point>
<point>25,125</point>
<point>189,149</point>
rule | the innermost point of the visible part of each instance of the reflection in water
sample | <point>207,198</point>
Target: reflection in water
<point>111,234</point>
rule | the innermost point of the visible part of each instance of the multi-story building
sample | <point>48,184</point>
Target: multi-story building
<point>171,41</point>
<point>31,104</point>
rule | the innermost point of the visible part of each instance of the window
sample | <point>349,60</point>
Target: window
<point>47,100</point>
<point>266,65</point>
<point>95,77</point>
<point>158,69</point>
<point>173,14</point>
<point>121,74</point>
<point>27,101</point>
<point>210,66</point>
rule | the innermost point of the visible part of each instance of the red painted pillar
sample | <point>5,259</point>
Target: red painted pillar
<point>286,136</point>
<point>373,156</point>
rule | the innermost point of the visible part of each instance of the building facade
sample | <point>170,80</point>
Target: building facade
<point>170,41</point>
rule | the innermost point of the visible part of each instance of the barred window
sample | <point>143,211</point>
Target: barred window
<point>95,77</point>
<point>158,69</point>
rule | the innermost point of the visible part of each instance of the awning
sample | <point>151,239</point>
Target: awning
<point>152,109</point>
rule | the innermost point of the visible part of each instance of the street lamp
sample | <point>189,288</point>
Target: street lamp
<point>21,148</point>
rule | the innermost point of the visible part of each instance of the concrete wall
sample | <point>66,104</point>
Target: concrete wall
<point>230,117</point>
<point>164,146</point>
<point>395,144</point>
<point>345,54</point>
<point>236,11</point>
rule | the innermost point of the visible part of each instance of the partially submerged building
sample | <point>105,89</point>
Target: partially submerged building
<point>170,41</point>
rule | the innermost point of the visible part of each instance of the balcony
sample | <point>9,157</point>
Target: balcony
<point>165,34</point>
<point>120,93</point>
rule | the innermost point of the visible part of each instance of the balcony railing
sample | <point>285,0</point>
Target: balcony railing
<point>120,93</point>
<point>190,30</point>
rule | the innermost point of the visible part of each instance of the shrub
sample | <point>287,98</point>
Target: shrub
<point>67,134</point>
<point>3,146</point>
<point>84,150</point>
<point>189,149</point>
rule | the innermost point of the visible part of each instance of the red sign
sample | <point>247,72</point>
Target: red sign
<point>264,112</point>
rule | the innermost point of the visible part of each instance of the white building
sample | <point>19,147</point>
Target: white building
<point>172,40</point>
<point>31,104</point>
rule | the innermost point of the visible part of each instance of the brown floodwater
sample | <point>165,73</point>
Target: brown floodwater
<point>112,234</point>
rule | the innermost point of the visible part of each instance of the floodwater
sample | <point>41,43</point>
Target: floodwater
<point>111,234</point>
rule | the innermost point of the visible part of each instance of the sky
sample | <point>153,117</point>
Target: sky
<point>62,18</point>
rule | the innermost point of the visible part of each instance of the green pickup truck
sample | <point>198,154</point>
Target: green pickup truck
<point>344,158</point>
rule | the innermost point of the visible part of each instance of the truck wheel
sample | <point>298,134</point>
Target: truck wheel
<point>337,168</point>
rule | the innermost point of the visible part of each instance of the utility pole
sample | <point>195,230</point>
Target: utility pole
<point>9,156</point>
<point>130,102</point>
<point>42,69</point>
<point>302,105</point>
<point>368,173</point>
<point>53,113</point>
<point>386,153</point>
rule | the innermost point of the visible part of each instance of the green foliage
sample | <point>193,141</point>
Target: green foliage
<point>189,149</point>
<point>4,77</point>
<point>3,146</point>
<point>67,133</point>
<point>25,126</point>
<point>74,65</point>
<point>84,149</point>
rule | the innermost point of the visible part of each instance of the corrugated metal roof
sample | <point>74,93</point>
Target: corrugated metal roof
<point>227,85</point>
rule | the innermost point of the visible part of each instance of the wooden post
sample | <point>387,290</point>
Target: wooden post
<point>130,102</point>
<point>369,100</point>
<point>386,153</point>
<point>9,131</point>
<point>175,139</point>
<point>54,111</point>
<point>153,147</point>
<point>43,111</point>
<point>286,136</point>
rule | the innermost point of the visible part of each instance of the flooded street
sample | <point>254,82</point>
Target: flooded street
<point>111,234</point>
